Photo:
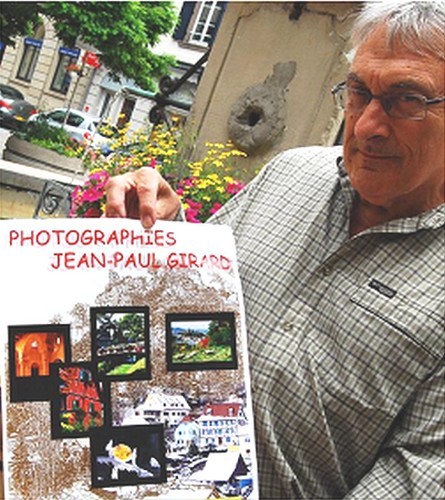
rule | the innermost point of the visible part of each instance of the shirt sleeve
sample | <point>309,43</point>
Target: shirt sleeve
<point>412,462</point>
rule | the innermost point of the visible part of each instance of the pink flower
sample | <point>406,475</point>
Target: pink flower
<point>216,206</point>
<point>234,187</point>
<point>191,215</point>
<point>193,204</point>
<point>92,213</point>
<point>101,176</point>
<point>93,194</point>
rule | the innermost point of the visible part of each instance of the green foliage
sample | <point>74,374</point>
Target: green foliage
<point>56,139</point>
<point>133,325</point>
<point>17,19</point>
<point>128,368</point>
<point>212,354</point>
<point>122,32</point>
<point>220,333</point>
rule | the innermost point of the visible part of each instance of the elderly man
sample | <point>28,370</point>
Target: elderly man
<point>342,265</point>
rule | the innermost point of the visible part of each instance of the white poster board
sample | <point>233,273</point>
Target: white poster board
<point>124,362</point>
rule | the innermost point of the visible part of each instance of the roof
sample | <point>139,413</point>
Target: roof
<point>220,467</point>
<point>159,402</point>
<point>222,410</point>
<point>197,494</point>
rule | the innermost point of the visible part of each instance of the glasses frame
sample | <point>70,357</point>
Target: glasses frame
<point>385,100</point>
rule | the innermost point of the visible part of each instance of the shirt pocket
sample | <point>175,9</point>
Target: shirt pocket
<point>375,355</point>
<point>409,322</point>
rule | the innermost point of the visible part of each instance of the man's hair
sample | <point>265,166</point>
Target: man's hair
<point>418,26</point>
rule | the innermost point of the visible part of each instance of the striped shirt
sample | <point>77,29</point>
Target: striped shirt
<point>346,336</point>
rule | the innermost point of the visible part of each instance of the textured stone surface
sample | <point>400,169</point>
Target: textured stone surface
<point>258,117</point>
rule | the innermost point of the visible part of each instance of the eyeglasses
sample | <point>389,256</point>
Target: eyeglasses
<point>404,106</point>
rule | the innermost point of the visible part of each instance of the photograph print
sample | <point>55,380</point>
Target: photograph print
<point>201,341</point>
<point>79,403</point>
<point>120,342</point>
<point>129,455</point>
<point>32,349</point>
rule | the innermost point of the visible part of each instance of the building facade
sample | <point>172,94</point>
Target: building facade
<point>51,75</point>
<point>163,408</point>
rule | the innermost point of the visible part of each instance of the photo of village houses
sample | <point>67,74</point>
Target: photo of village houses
<point>208,446</point>
<point>201,341</point>
<point>120,342</point>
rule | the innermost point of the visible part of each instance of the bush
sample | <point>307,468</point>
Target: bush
<point>56,139</point>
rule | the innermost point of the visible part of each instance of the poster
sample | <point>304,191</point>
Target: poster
<point>124,362</point>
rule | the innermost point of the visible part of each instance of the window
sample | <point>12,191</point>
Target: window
<point>124,117</point>
<point>31,51</point>
<point>105,105</point>
<point>199,22</point>
<point>2,51</point>
<point>62,77</point>
<point>204,29</point>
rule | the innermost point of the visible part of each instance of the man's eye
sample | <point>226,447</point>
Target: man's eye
<point>359,90</point>
<point>410,98</point>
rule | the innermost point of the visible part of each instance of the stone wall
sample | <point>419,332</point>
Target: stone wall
<point>268,79</point>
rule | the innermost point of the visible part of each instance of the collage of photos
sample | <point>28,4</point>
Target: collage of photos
<point>171,438</point>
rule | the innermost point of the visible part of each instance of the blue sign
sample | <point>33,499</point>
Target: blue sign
<point>34,42</point>
<point>69,52</point>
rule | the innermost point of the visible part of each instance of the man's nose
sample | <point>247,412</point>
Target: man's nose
<point>373,121</point>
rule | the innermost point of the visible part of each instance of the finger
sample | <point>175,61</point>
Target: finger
<point>147,187</point>
<point>169,203</point>
<point>116,191</point>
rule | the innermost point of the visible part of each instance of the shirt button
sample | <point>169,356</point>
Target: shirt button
<point>288,326</point>
<point>327,270</point>
<point>436,219</point>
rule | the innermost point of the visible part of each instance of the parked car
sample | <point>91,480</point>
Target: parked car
<point>14,109</point>
<point>81,126</point>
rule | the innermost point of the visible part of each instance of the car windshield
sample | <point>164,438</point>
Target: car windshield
<point>74,120</point>
<point>57,116</point>
<point>10,93</point>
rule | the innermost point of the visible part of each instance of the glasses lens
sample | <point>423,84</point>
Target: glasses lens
<point>405,106</point>
<point>356,99</point>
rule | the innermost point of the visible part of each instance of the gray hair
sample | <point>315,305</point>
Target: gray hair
<point>417,25</point>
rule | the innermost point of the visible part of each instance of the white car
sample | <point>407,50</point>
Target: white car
<point>82,127</point>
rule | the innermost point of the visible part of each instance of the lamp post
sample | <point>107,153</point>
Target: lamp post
<point>88,59</point>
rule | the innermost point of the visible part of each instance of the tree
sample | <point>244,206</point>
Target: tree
<point>122,32</point>
<point>133,324</point>
<point>220,333</point>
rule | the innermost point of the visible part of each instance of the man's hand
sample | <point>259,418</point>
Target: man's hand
<point>143,195</point>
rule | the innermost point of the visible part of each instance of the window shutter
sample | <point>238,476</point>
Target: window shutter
<point>184,19</point>
<point>223,6</point>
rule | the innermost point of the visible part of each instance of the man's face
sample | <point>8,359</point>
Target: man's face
<point>395,162</point>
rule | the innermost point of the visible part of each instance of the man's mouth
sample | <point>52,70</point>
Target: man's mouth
<point>378,155</point>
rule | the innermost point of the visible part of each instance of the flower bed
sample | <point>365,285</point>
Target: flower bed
<point>203,185</point>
